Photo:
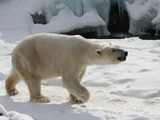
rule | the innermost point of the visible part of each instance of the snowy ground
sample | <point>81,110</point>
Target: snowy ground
<point>128,91</point>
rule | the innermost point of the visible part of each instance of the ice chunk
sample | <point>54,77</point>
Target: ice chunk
<point>144,14</point>
<point>3,111</point>
<point>12,115</point>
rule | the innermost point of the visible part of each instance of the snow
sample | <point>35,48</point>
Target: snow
<point>128,91</point>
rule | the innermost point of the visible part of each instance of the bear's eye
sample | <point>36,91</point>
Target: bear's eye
<point>113,50</point>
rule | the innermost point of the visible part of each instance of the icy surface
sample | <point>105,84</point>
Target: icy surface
<point>144,14</point>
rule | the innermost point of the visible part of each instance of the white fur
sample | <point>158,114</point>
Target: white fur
<point>46,55</point>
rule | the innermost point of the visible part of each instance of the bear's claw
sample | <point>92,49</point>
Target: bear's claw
<point>74,100</point>
<point>13,92</point>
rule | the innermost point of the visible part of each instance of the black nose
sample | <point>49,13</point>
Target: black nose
<point>125,53</point>
<point>121,58</point>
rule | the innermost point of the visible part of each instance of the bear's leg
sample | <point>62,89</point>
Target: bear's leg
<point>76,90</point>
<point>72,97</point>
<point>81,75</point>
<point>34,86</point>
<point>33,82</point>
<point>10,83</point>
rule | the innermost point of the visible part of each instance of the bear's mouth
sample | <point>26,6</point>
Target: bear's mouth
<point>121,58</point>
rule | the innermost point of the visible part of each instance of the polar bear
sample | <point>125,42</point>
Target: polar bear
<point>45,55</point>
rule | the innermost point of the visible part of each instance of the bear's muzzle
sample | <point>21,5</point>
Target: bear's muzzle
<point>123,57</point>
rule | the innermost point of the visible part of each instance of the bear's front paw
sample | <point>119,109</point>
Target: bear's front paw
<point>40,99</point>
<point>83,95</point>
<point>13,92</point>
<point>74,100</point>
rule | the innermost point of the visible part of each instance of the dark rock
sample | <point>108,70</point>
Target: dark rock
<point>39,18</point>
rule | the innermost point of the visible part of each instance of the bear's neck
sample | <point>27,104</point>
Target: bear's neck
<point>92,57</point>
<point>96,61</point>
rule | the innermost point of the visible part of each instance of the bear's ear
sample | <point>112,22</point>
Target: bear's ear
<point>98,52</point>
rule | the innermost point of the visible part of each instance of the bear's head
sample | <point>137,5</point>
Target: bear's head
<point>111,54</point>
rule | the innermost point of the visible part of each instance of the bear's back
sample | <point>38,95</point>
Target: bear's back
<point>50,41</point>
<point>54,47</point>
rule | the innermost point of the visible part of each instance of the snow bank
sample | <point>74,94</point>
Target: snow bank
<point>71,22</point>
